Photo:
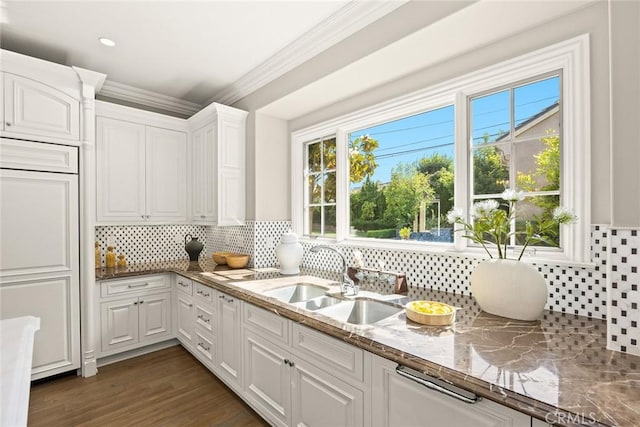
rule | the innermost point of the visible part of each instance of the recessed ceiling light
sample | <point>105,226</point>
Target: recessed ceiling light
<point>107,42</point>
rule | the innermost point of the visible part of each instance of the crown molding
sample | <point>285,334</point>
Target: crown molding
<point>148,98</point>
<point>348,20</point>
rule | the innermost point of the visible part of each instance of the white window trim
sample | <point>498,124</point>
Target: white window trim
<point>571,56</point>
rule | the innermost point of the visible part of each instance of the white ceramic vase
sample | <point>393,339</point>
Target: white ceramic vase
<point>289,253</point>
<point>509,288</point>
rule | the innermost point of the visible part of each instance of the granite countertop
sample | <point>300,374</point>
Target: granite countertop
<point>557,367</point>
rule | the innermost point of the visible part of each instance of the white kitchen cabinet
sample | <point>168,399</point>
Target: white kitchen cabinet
<point>399,401</point>
<point>185,310</point>
<point>39,260</point>
<point>217,144</point>
<point>120,167</point>
<point>229,356</point>
<point>289,390</point>
<point>136,321</point>
<point>141,170</point>
<point>34,109</point>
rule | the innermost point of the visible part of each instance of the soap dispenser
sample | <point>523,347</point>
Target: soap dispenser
<point>289,253</point>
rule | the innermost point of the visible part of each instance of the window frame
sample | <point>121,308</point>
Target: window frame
<point>570,56</point>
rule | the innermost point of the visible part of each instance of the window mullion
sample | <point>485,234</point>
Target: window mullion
<point>342,185</point>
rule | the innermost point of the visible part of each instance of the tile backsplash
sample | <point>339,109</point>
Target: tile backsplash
<point>606,290</point>
<point>145,243</point>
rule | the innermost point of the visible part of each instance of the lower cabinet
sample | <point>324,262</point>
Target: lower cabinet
<point>133,321</point>
<point>228,355</point>
<point>134,312</point>
<point>399,401</point>
<point>288,390</point>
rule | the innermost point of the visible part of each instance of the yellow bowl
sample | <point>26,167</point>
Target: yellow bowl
<point>418,311</point>
<point>237,260</point>
<point>220,257</point>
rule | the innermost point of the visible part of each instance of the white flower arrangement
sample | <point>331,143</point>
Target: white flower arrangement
<point>495,223</point>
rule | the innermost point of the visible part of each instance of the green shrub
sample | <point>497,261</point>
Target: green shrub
<point>386,233</point>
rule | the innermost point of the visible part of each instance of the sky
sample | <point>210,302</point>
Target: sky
<point>412,138</point>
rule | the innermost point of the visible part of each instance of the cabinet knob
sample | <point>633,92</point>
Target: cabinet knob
<point>8,124</point>
<point>142,216</point>
<point>190,305</point>
<point>141,301</point>
<point>135,303</point>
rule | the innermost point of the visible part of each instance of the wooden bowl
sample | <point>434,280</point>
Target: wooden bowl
<point>237,260</point>
<point>220,258</point>
<point>444,319</point>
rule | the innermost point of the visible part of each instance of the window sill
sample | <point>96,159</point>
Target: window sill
<point>447,249</point>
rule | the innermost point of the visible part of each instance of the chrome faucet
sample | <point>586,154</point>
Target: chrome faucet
<point>347,283</point>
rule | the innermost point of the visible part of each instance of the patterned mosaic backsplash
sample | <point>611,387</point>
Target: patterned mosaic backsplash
<point>623,293</point>
<point>144,243</point>
<point>574,290</point>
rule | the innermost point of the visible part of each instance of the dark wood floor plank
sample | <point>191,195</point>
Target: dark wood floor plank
<point>165,388</point>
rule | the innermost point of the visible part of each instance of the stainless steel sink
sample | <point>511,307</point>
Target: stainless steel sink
<point>298,292</point>
<point>319,303</point>
<point>361,311</point>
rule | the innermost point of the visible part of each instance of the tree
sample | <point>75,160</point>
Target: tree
<point>490,171</point>
<point>404,194</point>
<point>362,161</point>
<point>439,170</point>
<point>368,206</point>
<point>546,176</point>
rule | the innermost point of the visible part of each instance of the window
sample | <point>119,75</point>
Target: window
<point>387,175</point>
<point>516,143</point>
<point>321,188</point>
<point>401,178</point>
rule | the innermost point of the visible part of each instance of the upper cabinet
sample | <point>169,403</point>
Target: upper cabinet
<point>44,101</point>
<point>141,167</point>
<point>35,108</point>
<point>217,152</point>
<point>157,169</point>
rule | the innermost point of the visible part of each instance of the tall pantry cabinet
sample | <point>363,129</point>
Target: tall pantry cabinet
<point>47,125</point>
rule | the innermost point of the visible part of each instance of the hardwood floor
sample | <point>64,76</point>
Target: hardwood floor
<point>165,388</point>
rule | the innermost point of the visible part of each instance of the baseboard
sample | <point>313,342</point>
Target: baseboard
<point>107,360</point>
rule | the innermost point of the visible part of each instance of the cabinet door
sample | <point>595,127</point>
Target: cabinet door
<point>120,168</point>
<point>203,206</point>
<point>231,171</point>
<point>39,263</point>
<point>321,399</point>
<point>228,358</point>
<point>55,301</point>
<point>398,401</point>
<point>33,108</point>
<point>119,321</point>
<point>166,167</point>
<point>154,316</point>
<point>185,321</point>
<point>267,376</point>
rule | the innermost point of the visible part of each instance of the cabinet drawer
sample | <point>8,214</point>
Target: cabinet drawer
<point>328,352</point>
<point>205,347</point>
<point>267,324</point>
<point>202,292</point>
<point>205,317</point>
<point>184,285</point>
<point>134,284</point>
<point>38,156</point>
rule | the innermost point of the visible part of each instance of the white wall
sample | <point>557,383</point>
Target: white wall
<point>625,113</point>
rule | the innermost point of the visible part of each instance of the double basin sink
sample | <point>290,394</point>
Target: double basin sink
<point>357,311</point>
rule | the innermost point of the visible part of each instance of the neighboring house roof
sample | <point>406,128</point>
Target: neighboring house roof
<point>532,121</point>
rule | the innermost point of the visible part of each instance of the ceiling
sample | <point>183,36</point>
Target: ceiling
<point>185,54</point>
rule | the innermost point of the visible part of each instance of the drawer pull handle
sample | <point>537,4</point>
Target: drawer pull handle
<point>137,286</point>
<point>184,285</point>
<point>190,305</point>
<point>437,385</point>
